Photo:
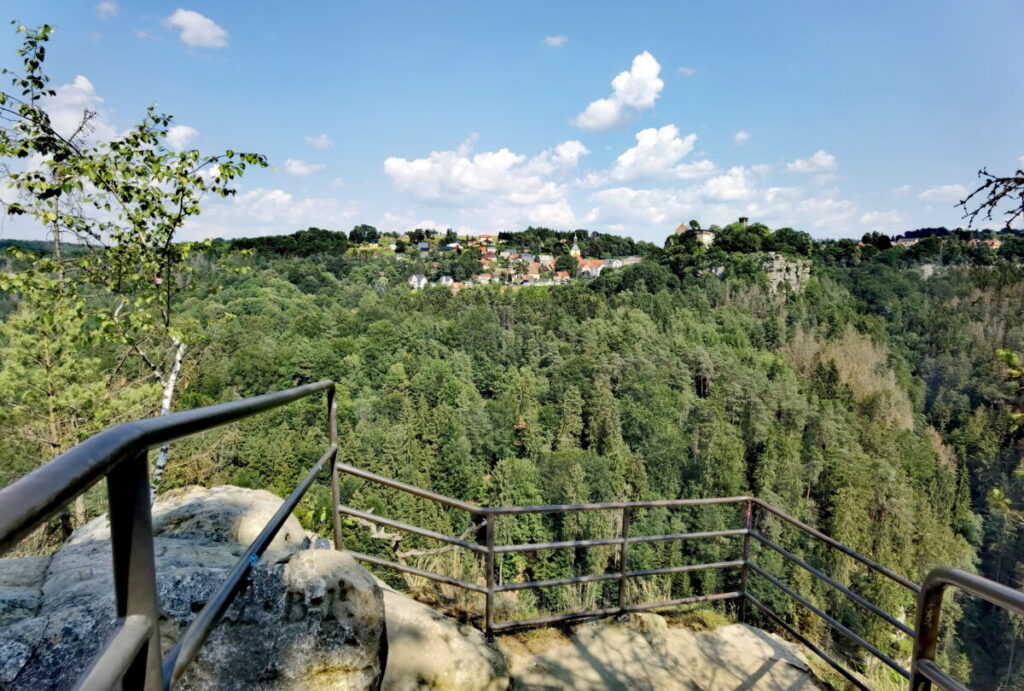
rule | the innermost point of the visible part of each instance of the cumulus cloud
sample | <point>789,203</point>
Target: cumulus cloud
<point>555,41</point>
<point>71,101</point>
<point>883,220</point>
<point>196,30</point>
<point>944,193</point>
<point>687,71</point>
<point>741,136</point>
<point>319,141</point>
<point>107,9</point>
<point>179,136</point>
<point>494,189</point>
<point>294,166</point>
<point>263,211</point>
<point>656,153</point>
<point>632,91</point>
<point>734,185</point>
<point>819,162</point>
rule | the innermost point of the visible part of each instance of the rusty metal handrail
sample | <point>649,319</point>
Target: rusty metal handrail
<point>924,671</point>
<point>131,655</point>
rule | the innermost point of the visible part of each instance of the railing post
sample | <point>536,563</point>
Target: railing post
<point>131,542</point>
<point>489,567</point>
<point>332,434</point>
<point>748,523</point>
<point>623,555</point>
<point>926,631</point>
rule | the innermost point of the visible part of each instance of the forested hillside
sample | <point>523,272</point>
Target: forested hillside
<point>869,402</point>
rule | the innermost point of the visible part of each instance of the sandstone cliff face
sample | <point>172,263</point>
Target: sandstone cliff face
<point>792,273</point>
<point>311,618</point>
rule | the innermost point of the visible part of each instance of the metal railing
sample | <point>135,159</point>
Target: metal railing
<point>131,656</point>
<point>923,670</point>
<point>929,609</point>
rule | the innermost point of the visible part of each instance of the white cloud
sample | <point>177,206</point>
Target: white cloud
<point>143,34</point>
<point>564,156</point>
<point>267,212</point>
<point>734,185</point>
<point>294,166</point>
<point>179,136</point>
<point>107,9</point>
<point>687,71</point>
<point>820,162</point>
<point>741,136</point>
<point>774,195</point>
<point>826,213</point>
<point>70,102</point>
<point>883,220</point>
<point>697,169</point>
<point>655,154</point>
<point>196,30</point>
<point>632,92</point>
<point>555,41</point>
<point>944,193</point>
<point>902,190</point>
<point>494,190</point>
<point>320,141</point>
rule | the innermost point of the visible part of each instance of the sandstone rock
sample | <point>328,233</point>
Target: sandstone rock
<point>642,652</point>
<point>429,651</point>
<point>310,618</point>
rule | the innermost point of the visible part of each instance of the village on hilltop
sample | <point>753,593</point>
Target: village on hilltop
<point>512,266</point>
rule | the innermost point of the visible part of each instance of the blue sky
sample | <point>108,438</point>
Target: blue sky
<point>835,118</point>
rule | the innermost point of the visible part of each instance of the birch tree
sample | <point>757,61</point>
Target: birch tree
<point>126,200</point>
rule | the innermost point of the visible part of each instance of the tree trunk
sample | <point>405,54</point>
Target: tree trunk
<point>165,408</point>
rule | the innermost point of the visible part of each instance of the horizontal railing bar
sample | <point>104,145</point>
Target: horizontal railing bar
<point>409,489</point>
<point>571,544</point>
<point>417,572</point>
<point>860,600</point>
<point>929,669</point>
<point>832,621</point>
<point>684,569</point>
<point>555,618</point>
<point>563,508</point>
<point>195,635</point>
<point>807,643</point>
<point>441,537</point>
<point>682,601</point>
<point>734,532</point>
<point>870,563</point>
<point>568,544</point>
<point>571,616</point>
<point>570,580</point>
<point>106,671</point>
<point>35,497</point>
<point>979,586</point>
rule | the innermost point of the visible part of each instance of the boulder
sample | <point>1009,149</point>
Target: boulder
<point>429,651</point>
<point>309,618</point>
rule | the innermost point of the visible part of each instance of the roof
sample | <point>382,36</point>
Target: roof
<point>562,274</point>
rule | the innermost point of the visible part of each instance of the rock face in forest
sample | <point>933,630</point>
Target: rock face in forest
<point>311,618</point>
<point>783,271</point>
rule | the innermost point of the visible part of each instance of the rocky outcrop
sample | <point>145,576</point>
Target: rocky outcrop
<point>642,652</point>
<point>429,651</point>
<point>793,273</point>
<point>310,617</point>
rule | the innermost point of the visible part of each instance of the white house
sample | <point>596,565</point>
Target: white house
<point>417,281</point>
